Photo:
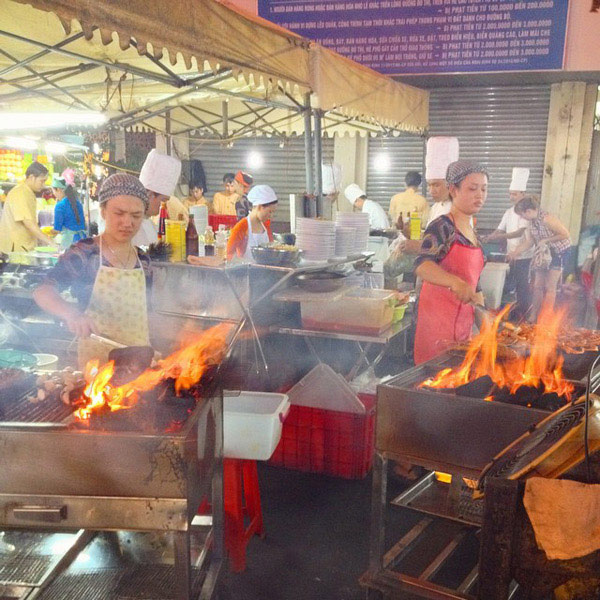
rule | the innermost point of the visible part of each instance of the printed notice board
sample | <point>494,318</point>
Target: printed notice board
<point>432,36</point>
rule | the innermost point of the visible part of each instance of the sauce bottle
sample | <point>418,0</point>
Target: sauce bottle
<point>163,215</point>
<point>209,242</point>
<point>191,238</point>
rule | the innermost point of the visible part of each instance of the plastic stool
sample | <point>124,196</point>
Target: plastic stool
<point>241,498</point>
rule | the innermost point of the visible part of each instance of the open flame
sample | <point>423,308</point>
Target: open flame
<point>186,366</point>
<point>541,368</point>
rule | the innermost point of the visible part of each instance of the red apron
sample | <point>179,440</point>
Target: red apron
<point>442,319</point>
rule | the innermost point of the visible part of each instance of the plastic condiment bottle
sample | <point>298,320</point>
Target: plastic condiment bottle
<point>406,227</point>
<point>221,242</point>
<point>163,215</point>
<point>209,242</point>
<point>191,238</point>
<point>415,226</point>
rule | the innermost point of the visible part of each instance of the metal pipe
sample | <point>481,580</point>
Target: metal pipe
<point>116,65</point>
<point>33,58</point>
<point>308,158</point>
<point>168,99</point>
<point>44,79</point>
<point>225,118</point>
<point>424,183</point>
<point>318,149</point>
<point>169,145</point>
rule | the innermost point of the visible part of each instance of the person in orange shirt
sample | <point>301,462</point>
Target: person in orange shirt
<point>255,229</point>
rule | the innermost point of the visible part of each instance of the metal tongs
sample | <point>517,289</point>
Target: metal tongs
<point>482,313</point>
<point>107,341</point>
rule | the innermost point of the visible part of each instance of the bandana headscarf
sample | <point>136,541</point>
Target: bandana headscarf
<point>122,184</point>
<point>459,169</point>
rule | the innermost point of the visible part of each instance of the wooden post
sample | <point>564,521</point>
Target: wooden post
<point>568,147</point>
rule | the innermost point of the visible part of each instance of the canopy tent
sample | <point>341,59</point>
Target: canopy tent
<point>190,66</point>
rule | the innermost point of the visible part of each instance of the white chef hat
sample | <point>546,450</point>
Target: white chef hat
<point>353,192</point>
<point>262,194</point>
<point>520,176</point>
<point>441,151</point>
<point>332,178</point>
<point>160,173</point>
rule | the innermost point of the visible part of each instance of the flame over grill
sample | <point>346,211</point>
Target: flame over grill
<point>186,366</point>
<point>542,368</point>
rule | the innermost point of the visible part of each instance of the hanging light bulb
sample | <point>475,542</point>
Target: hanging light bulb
<point>382,162</point>
<point>254,160</point>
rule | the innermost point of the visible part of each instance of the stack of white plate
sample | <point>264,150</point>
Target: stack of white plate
<point>344,240</point>
<point>316,238</point>
<point>360,222</point>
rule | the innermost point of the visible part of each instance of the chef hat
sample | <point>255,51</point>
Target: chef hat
<point>353,192</point>
<point>262,194</point>
<point>520,176</point>
<point>160,173</point>
<point>441,151</point>
<point>332,178</point>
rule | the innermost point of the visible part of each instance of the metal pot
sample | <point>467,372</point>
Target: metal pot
<point>321,281</point>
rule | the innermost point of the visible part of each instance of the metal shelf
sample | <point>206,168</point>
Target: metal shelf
<point>432,497</point>
<point>382,338</point>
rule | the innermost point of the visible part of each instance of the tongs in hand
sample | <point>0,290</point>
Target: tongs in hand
<point>482,313</point>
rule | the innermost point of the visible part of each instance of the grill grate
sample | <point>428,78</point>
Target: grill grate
<point>143,582</point>
<point>25,556</point>
<point>22,410</point>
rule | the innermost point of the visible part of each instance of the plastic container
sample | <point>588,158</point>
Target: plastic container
<point>221,242</point>
<point>364,311</point>
<point>175,237</point>
<point>334,443</point>
<point>46,361</point>
<point>399,313</point>
<point>492,281</point>
<point>252,423</point>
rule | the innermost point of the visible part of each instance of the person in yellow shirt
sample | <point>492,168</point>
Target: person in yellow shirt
<point>409,201</point>
<point>224,202</point>
<point>197,197</point>
<point>19,231</point>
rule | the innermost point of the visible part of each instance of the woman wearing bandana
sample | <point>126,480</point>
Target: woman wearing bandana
<point>450,263</point>
<point>107,274</point>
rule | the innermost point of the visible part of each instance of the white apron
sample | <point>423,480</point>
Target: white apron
<point>119,309</point>
<point>255,239</point>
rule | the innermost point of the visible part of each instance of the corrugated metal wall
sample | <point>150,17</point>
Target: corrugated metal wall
<point>503,127</point>
<point>283,168</point>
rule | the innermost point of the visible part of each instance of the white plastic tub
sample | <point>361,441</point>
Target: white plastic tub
<point>492,281</point>
<point>252,423</point>
<point>363,311</point>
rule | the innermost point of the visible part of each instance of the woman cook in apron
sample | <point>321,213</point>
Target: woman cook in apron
<point>450,263</point>
<point>106,274</point>
<point>255,229</point>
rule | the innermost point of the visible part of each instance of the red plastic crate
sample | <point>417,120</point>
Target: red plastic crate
<point>215,220</point>
<point>333,443</point>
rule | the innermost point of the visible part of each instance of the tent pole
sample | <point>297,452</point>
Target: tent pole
<point>308,155</point>
<point>424,182</point>
<point>318,149</point>
<point>168,133</point>
<point>225,113</point>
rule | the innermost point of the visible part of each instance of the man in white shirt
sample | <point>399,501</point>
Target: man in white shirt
<point>512,228</point>
<point>358,198</point>
<point>441,151</point>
